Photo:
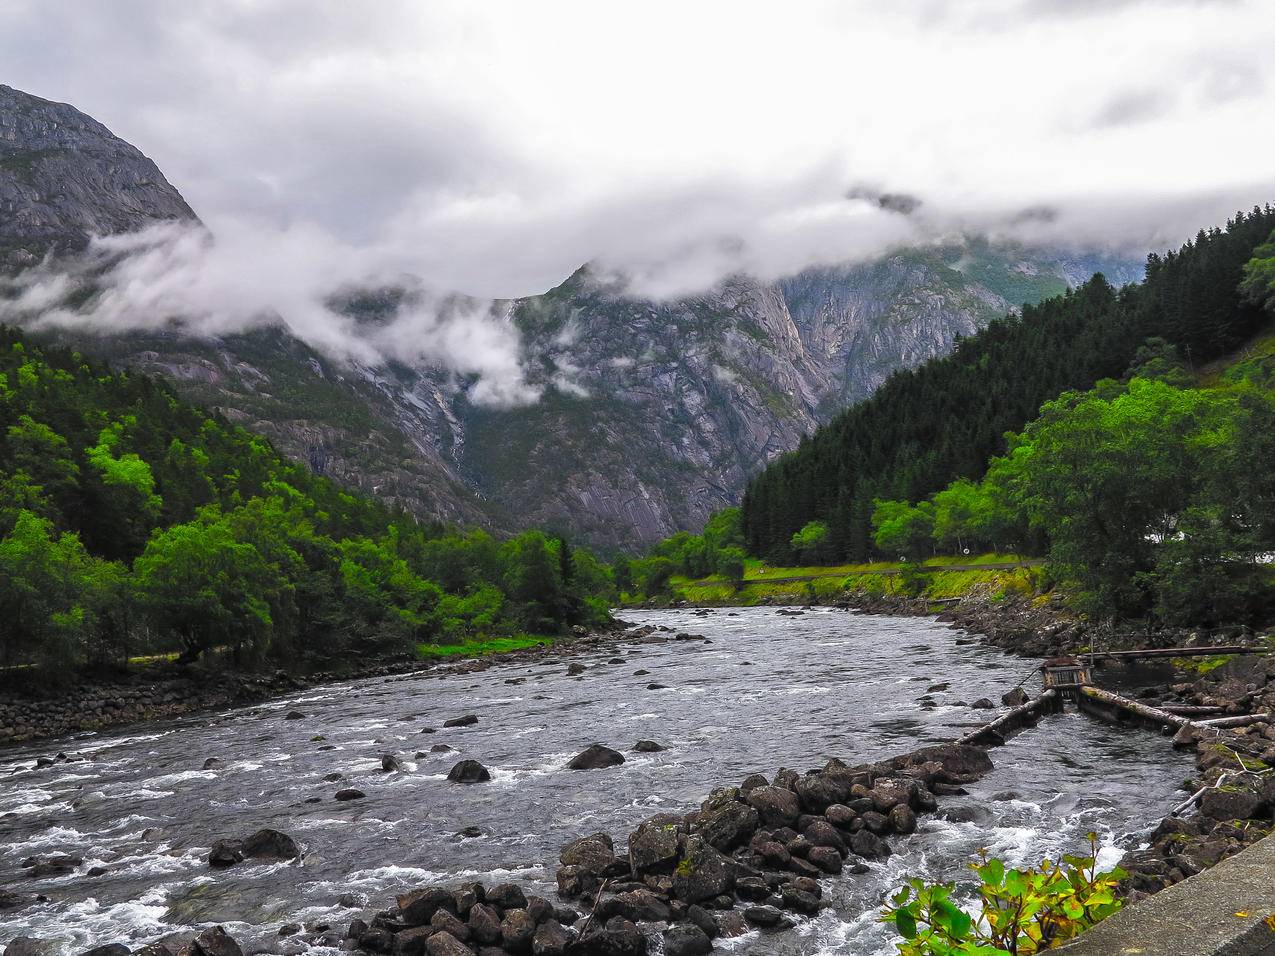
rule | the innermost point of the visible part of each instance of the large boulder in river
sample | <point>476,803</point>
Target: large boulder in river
<point>225,853</point>
<point>596,757</point>
<point>418,907</point>
<point>270,844</point>
<point>594,853</point>
<point>726,822</point>
<point>551,939</point>
<point>890,792</point>
<point>820,790</point>
<point>467,721</point>
<point>1015,698</point>
<point>655,845</point>
<point>868,845</point>
<point>957,763</point>
<point>777,806</point>
<point>617,937</point>
<point>213,941</point>
<point>703,873</point>
<point>468,771</point>
<point>445,944</point>
<point>686,939</point>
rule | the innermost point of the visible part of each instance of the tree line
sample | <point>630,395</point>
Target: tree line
<point>944,420</point>
<point>133,522</point>
<point>1148,498</point>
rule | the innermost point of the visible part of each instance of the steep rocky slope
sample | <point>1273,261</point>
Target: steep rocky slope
<point>653,413</point>
<point>64,177</point>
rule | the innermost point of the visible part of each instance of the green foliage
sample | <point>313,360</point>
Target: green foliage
<point>944,420</point>
<point>1258,284</point>
<point>903,529</point>
<point>719,550</point>
<point>1149,498</point>
<point>731,565</point>
<point>199,582</point>
<point>1019,912</point>
<point>810,544</point>
<point>130,519</point>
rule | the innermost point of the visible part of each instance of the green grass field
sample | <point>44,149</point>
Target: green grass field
<point>944,578</point>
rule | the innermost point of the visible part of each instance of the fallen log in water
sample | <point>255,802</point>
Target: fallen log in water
<point>1103,703</point>
<point>993,733</point>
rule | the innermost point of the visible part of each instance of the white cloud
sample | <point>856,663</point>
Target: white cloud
<point>492,148</point>
<point>175,275</point>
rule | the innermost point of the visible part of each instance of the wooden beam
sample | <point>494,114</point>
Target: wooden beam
<point>1104,698</point>
<point>993,733</point>
<point>1242,720</point>
<point>1190,710</point>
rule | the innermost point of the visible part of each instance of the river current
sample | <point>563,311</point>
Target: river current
<point>767,690</point>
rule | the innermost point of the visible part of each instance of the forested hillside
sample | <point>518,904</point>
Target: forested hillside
<point>132,521</point>
<point>946,419</point>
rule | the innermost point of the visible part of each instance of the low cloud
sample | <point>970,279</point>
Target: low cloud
<point>177,276</point>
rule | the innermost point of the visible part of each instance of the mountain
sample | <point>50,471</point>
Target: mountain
<point>64,177</point>
<point>654,413</point>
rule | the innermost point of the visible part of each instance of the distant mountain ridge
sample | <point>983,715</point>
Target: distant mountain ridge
<point>654,414</point>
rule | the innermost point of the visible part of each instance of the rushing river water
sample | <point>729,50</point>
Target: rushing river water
<point>768,690</point>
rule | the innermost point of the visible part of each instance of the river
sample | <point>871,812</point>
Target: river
<point>767,690</point>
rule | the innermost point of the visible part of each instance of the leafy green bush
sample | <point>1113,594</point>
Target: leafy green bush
<point>1021,912</point>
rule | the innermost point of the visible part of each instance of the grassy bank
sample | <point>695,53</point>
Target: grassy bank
<point>494,645</point>
<point>990,576</point>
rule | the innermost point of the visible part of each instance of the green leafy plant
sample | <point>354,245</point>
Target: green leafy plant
<point>1020,912</point>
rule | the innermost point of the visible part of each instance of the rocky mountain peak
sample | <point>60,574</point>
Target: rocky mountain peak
<point>65,177</point>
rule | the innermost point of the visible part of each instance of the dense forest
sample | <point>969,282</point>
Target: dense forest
<point>926,427</point>
<point>132,522</point>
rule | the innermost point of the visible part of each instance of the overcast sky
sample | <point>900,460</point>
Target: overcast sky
<point>493,147</point>
<point>496,146</point>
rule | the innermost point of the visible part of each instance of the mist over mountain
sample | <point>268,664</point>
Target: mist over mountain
<point>605,413</point>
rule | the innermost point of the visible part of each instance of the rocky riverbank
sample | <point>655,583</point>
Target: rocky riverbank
<point>35,709</point>
<point>1234,787</point>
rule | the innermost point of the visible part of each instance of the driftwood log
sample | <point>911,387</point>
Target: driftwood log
<point>1103,703</point>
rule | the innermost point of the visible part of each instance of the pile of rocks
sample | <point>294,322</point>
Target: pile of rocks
<point>471,917</point>
<point>750,856</point>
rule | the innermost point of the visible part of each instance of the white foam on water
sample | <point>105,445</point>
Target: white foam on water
<point>526,732</point>
<point>141,793</point>
<point>27,809</point>
<point>171,778</point>
<point>86,923</point>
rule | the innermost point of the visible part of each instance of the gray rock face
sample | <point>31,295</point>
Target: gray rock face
<point>65,177</point>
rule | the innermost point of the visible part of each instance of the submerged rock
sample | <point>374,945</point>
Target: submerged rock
<point>468,771</point>
<point>596,757</point>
